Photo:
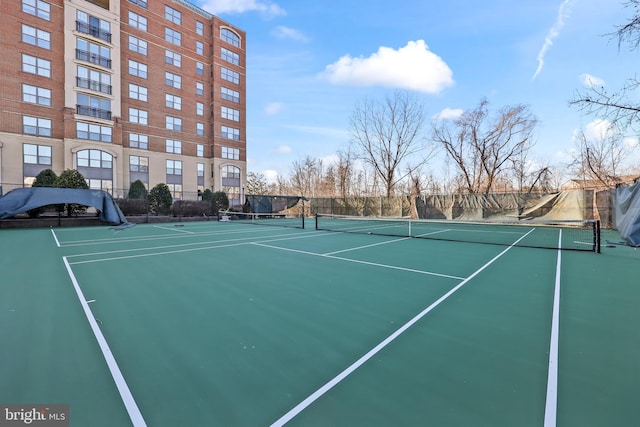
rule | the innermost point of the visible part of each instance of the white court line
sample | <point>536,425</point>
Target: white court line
<point>55,238</point>
<point>393,267</point>
<point>127,398</point>
<point>366,246</point>
<point>551,405</point>
<point>173,229</point>
<point>342,375</point>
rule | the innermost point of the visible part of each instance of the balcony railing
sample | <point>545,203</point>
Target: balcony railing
<point>83,55</point>
<point>86,28</point>
<point>86,110</point>
<point>93,85</point>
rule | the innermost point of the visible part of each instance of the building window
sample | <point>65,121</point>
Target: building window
<point>199,28</point>
<point>138,116</point>
<point>199,109</point>
<point>230,113</point>
<point>230,153</point>
<point>89,78</point>
<point>96,27</point>
<point>138,69</point>
<point>172,80</point>
<point>173,123</point>
<point>172,15</point>
<point>199,88</point>
<point>94,159</point>
<point>200,129</point>
<point>230,76</point>
<point>137,140</point>
<point>200,150</point>
<point>38,8</point>
<point>36,95</point>
<point>199,48</point>
<point>173,101</point>
<point>94,53</point>
<point>36,126</point>
<point>174,167</point>
<point>138,164</point>
<point>230,133</point>
<point>38,66</point>
<point>229,56</point>
<point>97,167</point>
<point>176,190</point>
<point>93,132</point>
<point>137,45</point>
<point>199,68</point>
<point>230,94</point>
<point>230,37</point>
<point>137,21</point>
<point>141,3</point>
<point>93,106</point>
<point>138,92</point>
<point>173,58</point>
<point>173,146</point>
<point>36,154</point>
<point>172,36</point>
<point>36,37</point>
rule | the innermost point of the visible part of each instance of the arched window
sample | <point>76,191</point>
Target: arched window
<point>231,183</point>
<point>97,168</point>
<point>230,37</point>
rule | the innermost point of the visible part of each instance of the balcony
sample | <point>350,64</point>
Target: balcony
<point>94,58</point>
<point>85,110</point>
<point>86,28</point>
<point>93,85</point>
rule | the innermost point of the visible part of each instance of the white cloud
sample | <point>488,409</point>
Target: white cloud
<point>590,81</point>
<point>631,142</point>
<point>448,114</point>
<point>413,67</point>
<point>270,175</point>
<point>554,32</point>
<point>598,130</point>
<point>273,108</point>
<point>282,32</point>
<point>282,149</point>
<point>218,7</point>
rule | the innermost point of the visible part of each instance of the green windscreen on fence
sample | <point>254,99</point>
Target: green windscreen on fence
<point>274,218</point>
<point>568,234</point>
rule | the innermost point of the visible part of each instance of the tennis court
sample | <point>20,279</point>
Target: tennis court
<point>238,324</point>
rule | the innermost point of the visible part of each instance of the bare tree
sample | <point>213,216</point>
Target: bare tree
<point>481,146</point>
<point>386,135</point>
<point>303,176</point>
<point>600,157</point>
<point>620,107</point>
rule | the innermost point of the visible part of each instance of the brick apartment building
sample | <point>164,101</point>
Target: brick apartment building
<point>122,90</point>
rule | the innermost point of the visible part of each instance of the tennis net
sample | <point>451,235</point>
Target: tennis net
<point>569,234</point>
<point>275,218</point>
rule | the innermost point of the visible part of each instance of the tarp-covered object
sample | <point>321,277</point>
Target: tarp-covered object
<point>626,213</point>
<point>24,199</point>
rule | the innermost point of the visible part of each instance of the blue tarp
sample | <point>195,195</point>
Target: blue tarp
<point>627,213</point>
<point>24,199</point>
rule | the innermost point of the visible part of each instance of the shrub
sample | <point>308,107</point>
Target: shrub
<point>138,190</point>
<point>71,178</point>
<point>133,206</point>
<point>160,200</point>
<point>191,208</point>
<point>219,201</point>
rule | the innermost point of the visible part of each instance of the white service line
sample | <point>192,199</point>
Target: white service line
<point>173,229</point>
<point>127,398</point>
<point>342,375</point>
<point>551,405</point>
<point>356,261</point>
<point>367,246</point>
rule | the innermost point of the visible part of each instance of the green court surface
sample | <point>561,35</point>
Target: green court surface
<point>232,324</point>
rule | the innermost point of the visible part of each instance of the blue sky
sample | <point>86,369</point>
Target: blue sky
<point>309,63</point>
